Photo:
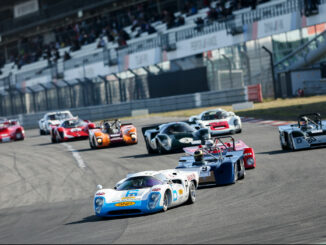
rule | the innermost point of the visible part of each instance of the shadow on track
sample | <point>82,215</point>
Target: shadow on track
<point>104,148</point>
<point>94,218</point>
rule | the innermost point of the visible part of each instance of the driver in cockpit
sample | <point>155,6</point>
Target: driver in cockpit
<point>199,158</point>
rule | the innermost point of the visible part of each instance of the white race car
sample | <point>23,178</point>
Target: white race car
<point>52,119</point>
<point>147,192</point>
<point>218,121</point>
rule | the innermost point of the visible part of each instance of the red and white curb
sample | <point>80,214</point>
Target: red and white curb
<point>265,122</point>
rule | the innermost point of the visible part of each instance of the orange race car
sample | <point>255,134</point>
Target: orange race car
<point>112,133</point>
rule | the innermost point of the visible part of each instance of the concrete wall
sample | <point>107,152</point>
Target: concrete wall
<point>171,103</point>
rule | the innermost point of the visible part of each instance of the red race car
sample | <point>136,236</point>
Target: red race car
<point>71,129</point>
<point>218,144</point>
<point>11,130</point>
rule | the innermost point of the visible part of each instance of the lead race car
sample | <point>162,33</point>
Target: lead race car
<point>173,136</point>
<point>218,121</point>
<point>112,133</point>
<point>11,130</point>
<point>147,192</point>
<point>71,129</point>
<point>216,164</point>
<point>309,132</point>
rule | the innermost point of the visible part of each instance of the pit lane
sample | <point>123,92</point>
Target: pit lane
<point>47,198</point>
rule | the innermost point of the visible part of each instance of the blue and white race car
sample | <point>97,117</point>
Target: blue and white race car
<point>218,166</point>
<point>147,192</point>
<point>309,132</point>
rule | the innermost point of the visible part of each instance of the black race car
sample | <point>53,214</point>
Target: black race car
<point>173,136</point>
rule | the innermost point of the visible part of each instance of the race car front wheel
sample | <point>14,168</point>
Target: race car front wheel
<point>148,147</point>
<point>192,193</point>
<point>235,173</point>
<point>165,202</point>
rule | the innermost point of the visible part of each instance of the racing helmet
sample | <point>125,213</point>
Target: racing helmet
<point>303,121</point>
<point>209,143</point>
<point>107,126</point>
<point>198,155</point>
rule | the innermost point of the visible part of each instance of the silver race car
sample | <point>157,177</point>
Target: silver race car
<point>309,132</point>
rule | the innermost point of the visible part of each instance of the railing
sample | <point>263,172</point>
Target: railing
<point>300,52</point>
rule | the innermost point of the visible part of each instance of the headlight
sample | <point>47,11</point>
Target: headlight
<point>99,140</point>
<point>99,202</point>
<point>236,122</point>
<point>153,199</point>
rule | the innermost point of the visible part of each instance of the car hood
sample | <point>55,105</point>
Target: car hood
<point>113,196</point>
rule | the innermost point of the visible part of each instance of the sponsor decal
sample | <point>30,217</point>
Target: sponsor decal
<point>100,193</point>
<point>156,189</point>
<point>191,177</point>
<point>186,140</point>
<point>124,204</point>
<point>75,130</point>
<point>175,195</point>
<point>128,198</point>
<point>180,192</point>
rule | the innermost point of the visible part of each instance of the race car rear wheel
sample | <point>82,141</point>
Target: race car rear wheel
<point>165,202</point>
<point>242,171</point>
<point>192,193</point>
<point>290,143</point>
<point>235,173</point>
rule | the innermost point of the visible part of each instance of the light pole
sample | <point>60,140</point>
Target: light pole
<point>272,65</point>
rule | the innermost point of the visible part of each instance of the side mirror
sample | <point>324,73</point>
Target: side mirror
<point>99,187</point>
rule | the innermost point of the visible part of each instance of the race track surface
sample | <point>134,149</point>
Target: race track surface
<point>46,195</point>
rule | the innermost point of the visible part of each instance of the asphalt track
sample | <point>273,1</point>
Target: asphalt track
<point>46,195</point>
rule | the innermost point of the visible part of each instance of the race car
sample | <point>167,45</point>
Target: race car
<point>221,167</point>
<point>71,129</point>
<point>51,120</point>
<point>218,121</point>
<point>309,132</point>
<point>112,133</point>
<point>173,136</point>
<point>227,143</point>
<point>11,130</point>
<point>147,192</point>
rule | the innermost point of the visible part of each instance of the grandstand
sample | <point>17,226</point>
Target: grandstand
<point>64,54</point>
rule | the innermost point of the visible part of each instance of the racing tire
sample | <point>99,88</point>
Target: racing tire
<point>192,193</point>
<point>290,144</point>
<point>91,144</point>
<point>165,202</point>
<point>284,147</point>
<point>41,132</point>
<point>239,131</point>
<point>242,172</point>
<point>53,141</point>
<point>235,174</point>
<point>148,147</point>
<point>160,148</point>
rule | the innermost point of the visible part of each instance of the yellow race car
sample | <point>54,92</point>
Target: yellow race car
<point>112,132</point>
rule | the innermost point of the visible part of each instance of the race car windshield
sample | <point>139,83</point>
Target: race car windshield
<point>179,128</point>
<point>61,116</point>
<point>138,183</point>
<point>213,115</point>
<point>73,123</point>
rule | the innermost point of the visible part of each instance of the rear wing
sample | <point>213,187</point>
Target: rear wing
<point>219,140</point>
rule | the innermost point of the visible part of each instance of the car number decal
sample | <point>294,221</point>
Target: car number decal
<point>132,193</point>
<point>175,195</point>
<point>124,204</point>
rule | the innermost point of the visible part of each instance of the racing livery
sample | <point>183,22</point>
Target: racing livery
<point>218,121</point>
<point>51,120</point>
<point>147,192</point>
<point>172,136</point>
<point>112,133</point>
<point>309,132</point>
<point>71,129</point>
<point>220,165</point>
<point>11,130</point>
<point>249,157</point>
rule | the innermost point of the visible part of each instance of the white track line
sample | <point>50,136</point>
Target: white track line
<point>76,155</point>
